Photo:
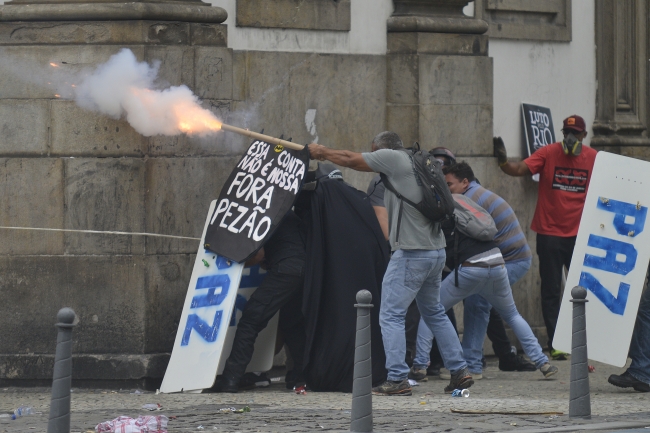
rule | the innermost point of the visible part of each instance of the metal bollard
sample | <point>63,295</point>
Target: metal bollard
<point>59,421</point>
<point>579,400</point>
<point>361,417</point>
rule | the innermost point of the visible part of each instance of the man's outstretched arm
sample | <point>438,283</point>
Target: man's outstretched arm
<point>344,158</point>
<point>508,167</point>
<point>515,168</point>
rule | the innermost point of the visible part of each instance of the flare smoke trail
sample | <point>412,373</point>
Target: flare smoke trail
<point>124,87</point>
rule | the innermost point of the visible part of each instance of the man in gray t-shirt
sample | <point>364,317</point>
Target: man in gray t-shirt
<point>415,269</point>
<point>416,232</point>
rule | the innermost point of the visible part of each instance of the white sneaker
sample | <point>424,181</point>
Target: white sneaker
<point>446,375</point>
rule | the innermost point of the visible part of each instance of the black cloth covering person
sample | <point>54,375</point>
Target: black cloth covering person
<point>346,252</point>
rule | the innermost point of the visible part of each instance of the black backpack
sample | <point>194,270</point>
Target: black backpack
<point>437,203</point>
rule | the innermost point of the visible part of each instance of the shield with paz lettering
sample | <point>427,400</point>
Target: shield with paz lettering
<point>259,192</point>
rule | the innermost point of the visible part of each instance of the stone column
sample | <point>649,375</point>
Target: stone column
<point>68,168</point>
<point>439,89</point>
<point>622,98</point>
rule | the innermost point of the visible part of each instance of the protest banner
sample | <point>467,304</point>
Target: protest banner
<point>259,192</point>
<point>610,258</point>
<point>257,195</point>
<point>538,129</point>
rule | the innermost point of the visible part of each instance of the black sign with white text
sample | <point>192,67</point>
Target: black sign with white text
<point>538,127</point>
<point>259,192</point>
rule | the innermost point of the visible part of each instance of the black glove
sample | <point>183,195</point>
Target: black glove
<point>500,150</point>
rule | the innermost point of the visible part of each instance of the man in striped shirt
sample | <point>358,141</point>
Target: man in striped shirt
<point>483,275</point>
<point>517,256</point>
<point>510,239</point>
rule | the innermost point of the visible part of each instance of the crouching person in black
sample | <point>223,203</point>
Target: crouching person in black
<point>284,259</point>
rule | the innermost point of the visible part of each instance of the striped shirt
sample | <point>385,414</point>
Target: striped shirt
<point>510,238</point>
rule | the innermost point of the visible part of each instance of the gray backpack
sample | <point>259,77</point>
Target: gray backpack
<point>472,220</point>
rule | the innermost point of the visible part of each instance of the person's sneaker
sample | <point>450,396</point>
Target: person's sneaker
<point>548,370</point>
<point>252,380</point>
<point>558,355</point>
<point>626,380</point>
<point>419,374</point>
<point>445,374</point>
<point>461,380</point>
<point>476,376</point>
<point>390,387</point>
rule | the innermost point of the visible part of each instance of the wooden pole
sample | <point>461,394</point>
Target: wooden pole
<point>262,137</point>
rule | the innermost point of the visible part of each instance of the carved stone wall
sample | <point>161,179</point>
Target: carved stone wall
<point>622,101</point>
<point>536,20</point>
<point>294,14</point>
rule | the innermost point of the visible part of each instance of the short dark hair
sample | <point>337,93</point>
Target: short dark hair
<point>388,140</point>
<point>460,170</point>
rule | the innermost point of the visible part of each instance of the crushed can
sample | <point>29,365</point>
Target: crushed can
<point>460,393</point>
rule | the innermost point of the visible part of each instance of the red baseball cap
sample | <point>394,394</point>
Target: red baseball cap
<point>574,123</point>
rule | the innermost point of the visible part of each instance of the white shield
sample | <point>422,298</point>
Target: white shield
<point>206,329</point>
<point>610,258</point>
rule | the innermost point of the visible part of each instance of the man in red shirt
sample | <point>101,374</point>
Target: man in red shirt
<point>564,171</point>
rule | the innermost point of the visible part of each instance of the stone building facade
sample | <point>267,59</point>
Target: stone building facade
<point>333,71</point>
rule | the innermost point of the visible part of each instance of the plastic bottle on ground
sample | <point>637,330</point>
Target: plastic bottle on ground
<point>22,411</point>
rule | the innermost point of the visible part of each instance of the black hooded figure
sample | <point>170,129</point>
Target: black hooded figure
<point>346,252</point>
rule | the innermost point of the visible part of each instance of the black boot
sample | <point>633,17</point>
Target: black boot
<point>626,380</point>
<point>227,384</point>
<point>512,362</point>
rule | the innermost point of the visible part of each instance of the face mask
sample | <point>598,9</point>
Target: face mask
<point>571,145</point>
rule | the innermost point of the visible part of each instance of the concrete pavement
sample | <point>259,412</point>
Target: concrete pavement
<point>276,409</point>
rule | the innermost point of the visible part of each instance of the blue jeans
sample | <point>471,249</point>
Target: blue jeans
<point>640,346</point>
<point>415,274</point>
<point>477,311</point>
<point>492,284</point>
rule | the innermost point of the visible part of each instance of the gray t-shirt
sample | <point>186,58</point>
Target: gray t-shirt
<point>416,231</point>
<point>376,192</point>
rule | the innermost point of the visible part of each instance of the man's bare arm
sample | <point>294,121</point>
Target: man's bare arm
<point>516,168</point>
<point>344,158</point>
<point>382,217</point>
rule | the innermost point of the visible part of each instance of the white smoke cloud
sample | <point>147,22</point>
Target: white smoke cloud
<point>124,87</point>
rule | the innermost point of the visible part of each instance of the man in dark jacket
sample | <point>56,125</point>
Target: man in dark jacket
<point>284,256</point>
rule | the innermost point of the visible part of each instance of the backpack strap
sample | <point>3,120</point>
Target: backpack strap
<point>388,185</point>
<point>456,256</point>
<point>392,189</point>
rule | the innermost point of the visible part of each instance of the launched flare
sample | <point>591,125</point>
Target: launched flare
<point>54,65</point>
<point>124,87</point>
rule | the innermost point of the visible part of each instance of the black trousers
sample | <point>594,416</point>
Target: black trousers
<point>411,327</point>
<point>496,332</point>
<point>554,253</point>
<point>276,291</point>
<point>292,327</point>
